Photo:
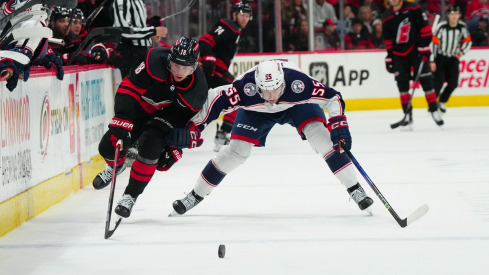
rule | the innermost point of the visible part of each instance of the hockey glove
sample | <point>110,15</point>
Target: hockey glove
<point>52,59</point>
<point>168,157</point>
<point>115,59</point>
<point>338,127</point>
<point>11,69</point>
<point>120,129</point>
<point>188,137</point>
<point>154,21</point>
<point>209,65</point>
<point>424,53</point>
<point>99,53</point>
<point>389,66</point>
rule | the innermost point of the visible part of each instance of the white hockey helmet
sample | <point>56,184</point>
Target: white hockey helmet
<point>269,75</point>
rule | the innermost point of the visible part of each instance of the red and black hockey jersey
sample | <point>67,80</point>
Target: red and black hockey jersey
<point>150,89</point>
<point>221,42</point>
<point>406,29</point>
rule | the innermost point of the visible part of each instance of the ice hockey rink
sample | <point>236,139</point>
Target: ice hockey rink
<point>283,212</point>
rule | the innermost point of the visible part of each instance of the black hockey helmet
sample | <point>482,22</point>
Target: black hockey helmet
<point>184,52</point>
<point>59,12</point>
<point>79,14</point>
<point>241,7</point>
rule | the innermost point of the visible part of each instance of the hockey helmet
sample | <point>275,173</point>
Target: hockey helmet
<point>59,12</point>
<point>269,76</point>
<point>184,52</point>
<point>79,14</point>
<point>241,7</point>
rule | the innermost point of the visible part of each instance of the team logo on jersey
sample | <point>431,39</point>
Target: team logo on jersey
<point>250,89</point>
<point>297,86</point>
<point>172,87</point>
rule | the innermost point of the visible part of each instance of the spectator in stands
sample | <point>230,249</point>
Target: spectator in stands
<point>434,6</point>
<point>377,39</point>
<point>365,14</point>
<point>480,36</point>
<point>300,11</point>
<point>475,10</point>
<point>322,11</point>
<point>374,7</point>
<point>356,39</point>
<point>298,40</point>
<point>329,39</point>
<point>354,4</point>
<point>348,15</point>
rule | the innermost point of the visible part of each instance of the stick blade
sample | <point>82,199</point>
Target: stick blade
<point>109,233</point>
<point>420,212</point>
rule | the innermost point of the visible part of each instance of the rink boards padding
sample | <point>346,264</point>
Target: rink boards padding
<point>49,132</point>
<point>50,129</point>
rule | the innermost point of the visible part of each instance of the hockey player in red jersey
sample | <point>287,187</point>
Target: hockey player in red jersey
<point>274,92</point>
<point>164,90</point>
<point>217,48</point>
<point>407,36</point>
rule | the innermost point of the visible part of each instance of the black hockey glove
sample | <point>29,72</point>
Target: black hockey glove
<point>188,137</point>
<point>209,65</point>
<point>52,59</point>
<point>338,127</point>
<point>99,53</point>
<point>168,157</point>
<point>120,129</point>
<point>154,21</point>
<point>424,53</point>
<point>115,59</point>
<point>389,66</point>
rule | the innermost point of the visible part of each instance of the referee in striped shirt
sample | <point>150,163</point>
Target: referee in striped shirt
<point>450,42</point>
<point>132,14</point>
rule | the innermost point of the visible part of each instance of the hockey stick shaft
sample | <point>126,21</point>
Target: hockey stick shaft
<point>189,5</point>
<point>416,80</point>
<point>108,232</point>
<point>402,222</point>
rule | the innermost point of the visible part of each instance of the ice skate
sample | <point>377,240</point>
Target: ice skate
<point>360,197</point>
<point>180,207</point>
<point>104,177</point>
<point>437,117</point>
<point>442,107</point>
<point>221,139</point>
<point>407,123</point>
<point>124,206</point>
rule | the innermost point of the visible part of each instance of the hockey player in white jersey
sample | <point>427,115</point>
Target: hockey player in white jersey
<point>272,92</point>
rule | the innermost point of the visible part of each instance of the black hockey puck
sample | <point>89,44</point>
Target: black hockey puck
<point>222,251</point>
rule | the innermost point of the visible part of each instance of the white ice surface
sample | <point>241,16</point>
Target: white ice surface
<point>283,212</point>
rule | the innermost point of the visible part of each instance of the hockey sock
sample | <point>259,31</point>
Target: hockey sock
<point>209,178</point>
<point>141,174</point>
<point>431,99</point>
<point>342,168</point>
<point>121,160</point>
<point>405,98</point>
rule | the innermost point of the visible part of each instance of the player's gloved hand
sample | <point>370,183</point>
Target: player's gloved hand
<point>115,59</point>
<point>389,66</point>
<point>338,127</point>
<point>209,65</point>
<point>188,137</point>
<point>52,59</point>
<point>11,69</point>
<point>82,58</point>
<point>168,157</point>
<point>154,21</point>
<point>120,129</point>
<point>99,53</point>
<point>425,55</point>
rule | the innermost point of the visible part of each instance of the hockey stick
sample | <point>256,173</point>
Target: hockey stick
<point>421,211</point>
<point>108,232</point>
<point>107,34</point>
<point>94,14</point>
<point>192,2</point>
<point>403,121</point>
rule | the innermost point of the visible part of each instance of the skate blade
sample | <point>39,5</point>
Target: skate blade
<point>369,210</point>
<point>173,214</point>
